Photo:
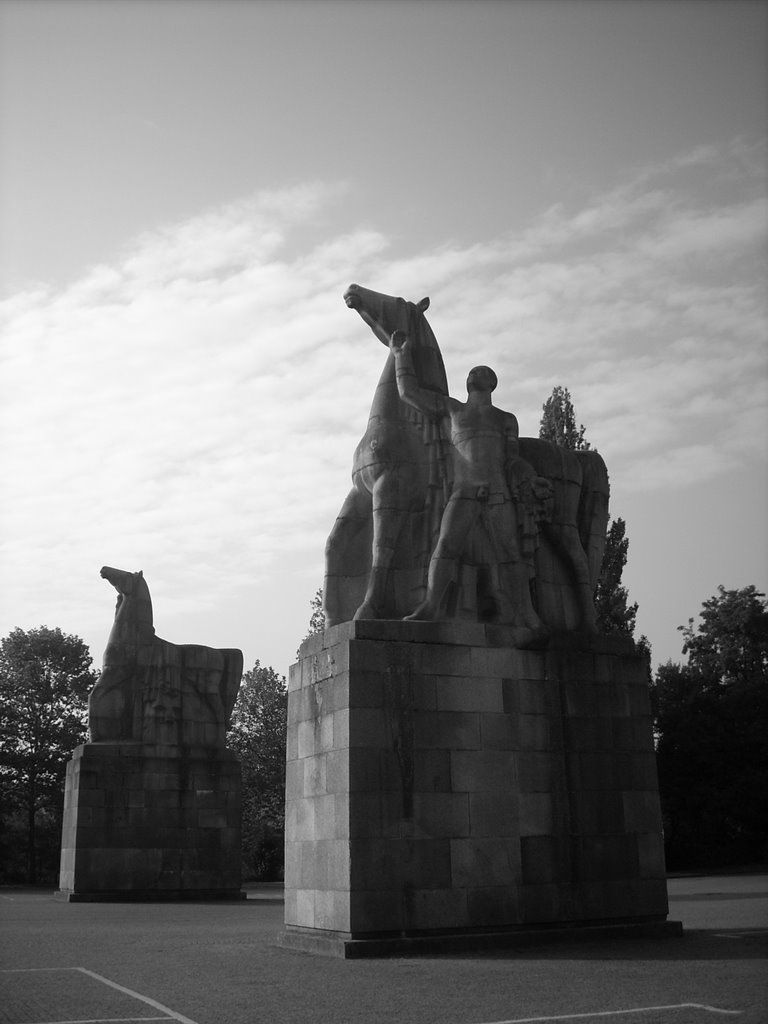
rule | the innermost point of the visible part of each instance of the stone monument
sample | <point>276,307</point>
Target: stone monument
<point>468,759</point>
<point>152,802</point>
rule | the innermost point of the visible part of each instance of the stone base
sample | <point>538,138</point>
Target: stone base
<point>441,780</point>
<point>147,822</point>
<point>326,944</point>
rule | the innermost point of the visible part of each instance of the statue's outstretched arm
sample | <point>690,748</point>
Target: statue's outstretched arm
<point>431,403</point>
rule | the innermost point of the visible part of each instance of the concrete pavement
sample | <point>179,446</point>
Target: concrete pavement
<point>219,964</point>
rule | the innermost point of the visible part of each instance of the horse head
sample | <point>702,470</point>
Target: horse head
<point>133,598</point>
<point>385,314</point>
<point>125,583</point>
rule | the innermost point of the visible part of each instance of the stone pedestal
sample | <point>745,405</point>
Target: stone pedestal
<point>443,784</point>
<point>147,822</point>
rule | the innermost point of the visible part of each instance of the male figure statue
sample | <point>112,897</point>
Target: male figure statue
<point>486,460</point>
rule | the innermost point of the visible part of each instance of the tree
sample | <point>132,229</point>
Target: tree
<point>614,614</point>
<point>558,421</point>
<point>317,618</point>
<point>711,719</point>
<point>730,647</point>
<point>45,677</point>
<point>257,735</point>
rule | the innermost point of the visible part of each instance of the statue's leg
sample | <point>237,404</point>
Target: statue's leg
<point>565,538</point>
<point>347,555</point>
<point>510,577</point>
<point>459,517</point>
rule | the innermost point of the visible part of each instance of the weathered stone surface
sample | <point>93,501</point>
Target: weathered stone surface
<point>533,804</point>
<point>152,804</point>
<point>144,822</point>
<point>154,692</point>
<point>451,512</point>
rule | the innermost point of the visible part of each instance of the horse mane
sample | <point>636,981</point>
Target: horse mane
<point>427,358</point>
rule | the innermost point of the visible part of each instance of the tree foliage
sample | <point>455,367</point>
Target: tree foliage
<point>317,618</point>
<point>558,421</point>
<point>711,718</point>
<point>614,612</point>
<point>45,677</point>
<point>257,735</point>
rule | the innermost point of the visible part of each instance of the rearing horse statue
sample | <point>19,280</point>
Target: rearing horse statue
<point>378,552</point>
<point>379,549</point>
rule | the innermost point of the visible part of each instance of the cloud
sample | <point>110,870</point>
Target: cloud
<point>192,409</point>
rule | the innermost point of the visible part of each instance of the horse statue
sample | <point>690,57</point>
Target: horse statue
<point>153,691</point>
<point>378,552</point>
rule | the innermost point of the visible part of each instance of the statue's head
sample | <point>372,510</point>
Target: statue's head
<point>124,582</point>
<point>481,378</point>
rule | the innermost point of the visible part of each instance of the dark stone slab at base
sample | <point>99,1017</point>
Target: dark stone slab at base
<point>305,940</point>
<point>152,896</point>
<point>150,822</point>
<point>441,780</point>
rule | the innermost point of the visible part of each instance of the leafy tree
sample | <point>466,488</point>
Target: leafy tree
<point>317,618</point>
<point>257,735</point>
<point>711,719</point>
<point>558,421</point>
<point>730,646</point>
<point>614,613</point>
<point>45,677</point>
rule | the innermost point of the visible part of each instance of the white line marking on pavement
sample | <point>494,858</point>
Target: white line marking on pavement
<point>169,1013</point>
<point>137,995</point>
<point>102,1020</point>
<point>616,1013</point>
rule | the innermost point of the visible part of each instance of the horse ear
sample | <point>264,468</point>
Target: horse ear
<point>140,574</point>
<point>423,306</point>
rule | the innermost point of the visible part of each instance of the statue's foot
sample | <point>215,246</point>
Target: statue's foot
<point>367,610</point>
<point>427,611</point>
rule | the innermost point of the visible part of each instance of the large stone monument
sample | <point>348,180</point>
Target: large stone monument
<point>152,802</point>
<point>468,759</point>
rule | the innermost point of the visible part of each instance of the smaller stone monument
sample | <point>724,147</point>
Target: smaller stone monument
<point>152,802</point>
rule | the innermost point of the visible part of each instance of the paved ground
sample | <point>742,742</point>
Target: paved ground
<point>218,964</point>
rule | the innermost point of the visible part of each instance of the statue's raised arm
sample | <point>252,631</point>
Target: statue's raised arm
<point>432,404</point>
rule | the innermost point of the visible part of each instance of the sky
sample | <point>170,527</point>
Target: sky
<point>188,187</point>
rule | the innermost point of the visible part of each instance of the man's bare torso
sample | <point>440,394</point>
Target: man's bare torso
<point>481,437</point>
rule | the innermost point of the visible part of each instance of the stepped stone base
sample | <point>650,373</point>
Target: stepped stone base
<point>442,782</point>
<point>150,822</point>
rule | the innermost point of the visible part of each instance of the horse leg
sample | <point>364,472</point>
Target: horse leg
<point>565,538</point>
<point>110,704</point>
<point>347,556</point>
<point>390,509</point>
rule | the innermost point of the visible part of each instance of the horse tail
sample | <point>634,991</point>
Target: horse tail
<point>592,517</point>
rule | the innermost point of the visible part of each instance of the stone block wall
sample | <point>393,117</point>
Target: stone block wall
<point>441,780</point>
<point>150,822</point>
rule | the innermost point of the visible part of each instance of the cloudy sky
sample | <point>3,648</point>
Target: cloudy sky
<point>186,190</point>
